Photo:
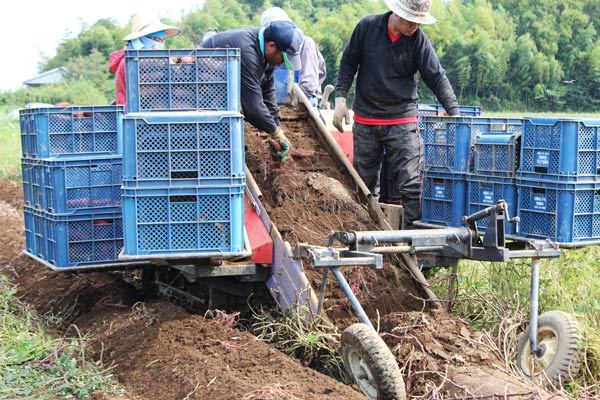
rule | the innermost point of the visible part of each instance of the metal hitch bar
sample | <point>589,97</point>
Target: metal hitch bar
<point>366,248</point>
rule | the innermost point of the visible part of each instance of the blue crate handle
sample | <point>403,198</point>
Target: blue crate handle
<point>494,139</point>
<point>183,116</point>
<point>552,121</point>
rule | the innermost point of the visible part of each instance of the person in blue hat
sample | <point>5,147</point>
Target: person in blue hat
<point>279,42</point>
<point>314,71</point>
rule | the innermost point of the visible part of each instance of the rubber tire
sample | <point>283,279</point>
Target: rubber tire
<point>567,361</point>
<point>378,358</point>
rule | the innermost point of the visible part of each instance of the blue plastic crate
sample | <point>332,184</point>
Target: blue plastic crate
<point>183,221</point>
<point>70,131</point>
<point>30,240</point>
<point>82,185</point>
<point>448,140</point>
<point>28,129</point>
<point>200,79</point>
<point>35,231</point>
<point>444,198</point>
<point>496,155</point>
<point>437,109</point>
<point>33,182</point>
<point>447,144</point>
<point>78,241</point>
<point>560,149</point>
<point>565,213</point>
<point>485,191</point>
<point>184,149</point>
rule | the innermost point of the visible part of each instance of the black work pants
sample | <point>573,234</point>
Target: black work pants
<point>404,151</point>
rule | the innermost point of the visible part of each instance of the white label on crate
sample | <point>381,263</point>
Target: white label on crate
<point>542,159</point>
<point>487,196</point>
<point>439,136</point>
<point>539,202</point>
<point>439,192</point>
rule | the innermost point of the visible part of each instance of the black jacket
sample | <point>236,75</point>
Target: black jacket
<point>386,86</point>
<point>258,91</point>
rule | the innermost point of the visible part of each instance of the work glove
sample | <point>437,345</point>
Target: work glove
<point>341,112</point>
<point>280,145</point>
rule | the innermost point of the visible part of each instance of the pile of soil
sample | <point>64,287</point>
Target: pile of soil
<point>158,350</point>
<point>310,195</point>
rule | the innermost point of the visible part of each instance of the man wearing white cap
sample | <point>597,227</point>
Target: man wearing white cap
<point>149,36</point>
<point>261,49</point>
<point>387,51</point>
<point>313,72</point>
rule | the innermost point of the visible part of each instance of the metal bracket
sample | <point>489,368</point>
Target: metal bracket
<point>326,257</point>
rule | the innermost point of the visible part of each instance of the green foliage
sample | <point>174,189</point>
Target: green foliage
<point>76,91</point>
<point>103,37</point>
<point>36,366</point>
<point>499,54</point>
<point>10,145</point>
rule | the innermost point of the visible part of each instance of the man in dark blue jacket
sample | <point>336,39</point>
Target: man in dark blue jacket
<point>388,50</point>
<point>280,42</point>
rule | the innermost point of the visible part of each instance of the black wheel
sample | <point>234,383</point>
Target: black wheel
<point>371,363</point>
<point>559,341</point>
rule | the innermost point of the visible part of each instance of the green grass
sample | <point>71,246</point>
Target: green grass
<point>34,365</point>
<point>10,145</point>
<point>495,297</point>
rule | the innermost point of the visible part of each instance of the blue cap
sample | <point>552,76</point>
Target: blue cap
<point>289,39</point>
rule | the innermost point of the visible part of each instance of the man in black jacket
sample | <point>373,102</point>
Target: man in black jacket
<point>388,50</point>
<point>262,48</point>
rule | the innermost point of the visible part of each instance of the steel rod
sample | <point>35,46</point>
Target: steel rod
<point>406,236</point>
<point>362,315</point>
<point>452,285</point>
<point>322,294</point>
<point>392,249</point>
<point>535,284</point>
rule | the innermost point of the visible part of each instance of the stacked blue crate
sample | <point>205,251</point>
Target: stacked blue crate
<point>472,158</point>
<point>184,167</point>
<point>495,158</point>
<point>425,110</point>
<point>447,142</point>
<point>71,182</point>
<point>559,180</point>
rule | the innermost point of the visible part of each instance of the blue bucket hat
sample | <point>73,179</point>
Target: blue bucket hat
<point>289,39</point>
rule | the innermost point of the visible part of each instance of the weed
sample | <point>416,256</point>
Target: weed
<point>276,391</point>
<point>34,365</point>
<point>310,339</point>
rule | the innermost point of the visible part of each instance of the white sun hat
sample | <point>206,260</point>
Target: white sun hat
<point>153,27</point>
<point>273,14</point>
<point>417,11</point>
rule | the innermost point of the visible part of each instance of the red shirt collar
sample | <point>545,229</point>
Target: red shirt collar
<point>391,35</point>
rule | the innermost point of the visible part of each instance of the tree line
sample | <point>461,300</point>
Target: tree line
<point>539,55</point>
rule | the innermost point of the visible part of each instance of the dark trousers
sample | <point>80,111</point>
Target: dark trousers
<point>404,151</point>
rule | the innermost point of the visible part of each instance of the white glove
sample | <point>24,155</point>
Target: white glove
<point>341,112</point>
